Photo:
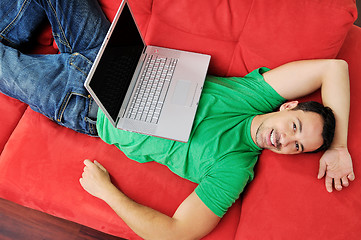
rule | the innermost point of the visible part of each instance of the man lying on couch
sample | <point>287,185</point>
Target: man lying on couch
<point>234,122</point>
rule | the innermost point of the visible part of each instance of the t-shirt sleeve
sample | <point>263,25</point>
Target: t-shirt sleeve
<point>221,187</point>
<point>264,98</point>
<point>251,92</point>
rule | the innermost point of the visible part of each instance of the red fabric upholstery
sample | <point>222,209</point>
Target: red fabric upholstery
<point>244,35</point>
<point>286,197</point>
<point>41,162</point>
<point>50,167</point>
<point>11,112</point>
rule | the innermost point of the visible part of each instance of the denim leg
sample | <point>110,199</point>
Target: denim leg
<point>53,84</point>
<point>49,84</point>
<point>19,19</point>
<point>77,25</point>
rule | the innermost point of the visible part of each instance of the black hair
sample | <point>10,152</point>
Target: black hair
<point>329,121</point>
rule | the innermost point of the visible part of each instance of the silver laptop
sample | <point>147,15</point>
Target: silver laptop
<point>146,89</point>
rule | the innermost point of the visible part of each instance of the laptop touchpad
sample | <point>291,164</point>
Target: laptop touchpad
<point>184,93</point>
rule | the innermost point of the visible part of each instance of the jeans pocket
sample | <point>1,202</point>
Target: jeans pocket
<point>73,112</point>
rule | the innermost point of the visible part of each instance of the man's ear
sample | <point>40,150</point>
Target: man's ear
<point>289,105</point>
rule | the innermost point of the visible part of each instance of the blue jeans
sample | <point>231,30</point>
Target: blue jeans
<point>52,84</point>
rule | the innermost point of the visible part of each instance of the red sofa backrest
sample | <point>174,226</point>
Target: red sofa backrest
<point>244,35</point>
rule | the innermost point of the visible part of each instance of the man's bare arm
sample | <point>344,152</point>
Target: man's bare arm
<point>297,79</point>
<point>192,220</point>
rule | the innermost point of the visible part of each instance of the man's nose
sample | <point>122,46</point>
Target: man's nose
<point>286,139</point>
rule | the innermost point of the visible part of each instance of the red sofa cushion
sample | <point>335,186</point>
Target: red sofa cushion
<point>286,199</point>
<point>45,174</point>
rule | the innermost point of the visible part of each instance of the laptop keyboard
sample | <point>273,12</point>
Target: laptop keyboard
<point>150,93</point>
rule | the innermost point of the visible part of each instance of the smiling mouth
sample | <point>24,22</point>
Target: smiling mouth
<point>273,138</point>
<point>274,141</point>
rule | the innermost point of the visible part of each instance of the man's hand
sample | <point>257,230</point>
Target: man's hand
<point>95,179</point>
<point>337,164</point>
<point>192,220</point>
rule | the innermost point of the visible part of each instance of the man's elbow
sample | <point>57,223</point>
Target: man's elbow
<point>181,231</point>
<point>187,235</point>
<point>339,65</point>
<point>336,71</point>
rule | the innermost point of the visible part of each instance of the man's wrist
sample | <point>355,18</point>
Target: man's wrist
<point>113,195</point>
<point>338,146</point>
<point>109,191</point>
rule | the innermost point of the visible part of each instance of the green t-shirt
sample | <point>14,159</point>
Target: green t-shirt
<point>220,154</point>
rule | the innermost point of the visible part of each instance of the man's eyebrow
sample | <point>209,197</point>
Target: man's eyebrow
<point>300,128</point>
<point>300,125</point>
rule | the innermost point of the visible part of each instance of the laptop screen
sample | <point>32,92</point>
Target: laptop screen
<point>117,65</point>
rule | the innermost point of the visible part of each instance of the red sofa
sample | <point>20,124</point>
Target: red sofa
<point>41,162</point>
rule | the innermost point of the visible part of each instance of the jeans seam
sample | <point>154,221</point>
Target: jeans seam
<point>57,36</point>
<point>65,103</point>
<point>8,27</point>
<point>6,39</point>
<point>61,110</point>
<point>78,68</point>
<point>60,27</point>
<point>71,62</point>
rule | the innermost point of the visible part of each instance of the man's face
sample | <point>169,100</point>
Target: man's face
<point>290,132</point>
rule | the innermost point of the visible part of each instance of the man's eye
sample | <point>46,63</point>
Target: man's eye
<point>294,127</point>
<point>297,146</point>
